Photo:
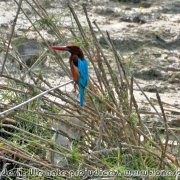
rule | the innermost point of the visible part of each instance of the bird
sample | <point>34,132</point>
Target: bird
<point>78,66</point>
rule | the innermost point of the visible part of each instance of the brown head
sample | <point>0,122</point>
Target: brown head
<point>74,50</point>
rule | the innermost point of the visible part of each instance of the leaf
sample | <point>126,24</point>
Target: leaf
<point>119,153</point>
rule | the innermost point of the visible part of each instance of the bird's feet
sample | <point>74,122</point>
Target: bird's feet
<point>75,87</point>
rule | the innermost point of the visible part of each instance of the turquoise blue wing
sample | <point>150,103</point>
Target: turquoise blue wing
<point>83,79</point>
<point>83,70</point>
<point>81,90</point>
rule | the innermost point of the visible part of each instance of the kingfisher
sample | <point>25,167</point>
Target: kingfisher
<point>78,66</point>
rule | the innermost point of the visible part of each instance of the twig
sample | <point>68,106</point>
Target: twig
<point>101,127</point>
<point>38,61</point>
<point>25,157</point>
<point>33,142</point>
<point>133,100</point>
<point>16,162</point>
<point>165,103</point>
<point>148,99</point>
<point>99,51</point>
<point>166,131</point>
<point>35,97</point>
<point>116,57</point>
<point>63,65</point>
<point>12,32</point>
<point>35,136</point>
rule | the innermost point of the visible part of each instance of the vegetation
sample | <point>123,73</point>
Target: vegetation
<point>113,135</point>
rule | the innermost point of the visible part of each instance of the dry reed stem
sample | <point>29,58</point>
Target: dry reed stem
<point>12,33</point>
<point>166,132</point>
<point>33,98</point>
<point>105,122</point>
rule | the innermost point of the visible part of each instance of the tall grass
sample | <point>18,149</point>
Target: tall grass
<point>113,134</point>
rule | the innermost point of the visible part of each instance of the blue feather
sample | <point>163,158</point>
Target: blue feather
<point>81,95</point>
<point>83,79</point>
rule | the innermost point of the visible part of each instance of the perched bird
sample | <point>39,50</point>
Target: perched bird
<point>79,68</point>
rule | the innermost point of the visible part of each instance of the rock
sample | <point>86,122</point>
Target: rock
<point>4,25</point>
<point>67,134</point>
<point>56,158</point>
<point>160,41</point>
<point>28,11</point>
<point>133,17</point>
<point>145,5</point>
<point>174,67</point>
<point>154,88</point>
<point>105,11</point>
<point>175,122</point>
<point>150,88</point>
<point>157,55</point>
<point>71,131</point>
<point>136,17</point>
<point>136,1</point>
<point>127,8</point>
<point>174,77</point>
<point>173,60</point>
<point>149,74</point>
<point>173,80</point>
<point>29,49</point>
<point>175,9</point>
<point>123,44</point>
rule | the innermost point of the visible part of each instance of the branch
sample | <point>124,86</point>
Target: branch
<point>12,32</point>
<point>33,98</point>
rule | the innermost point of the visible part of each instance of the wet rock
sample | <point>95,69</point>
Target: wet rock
<point>123,44</point>
<point>150,88</point>
<point>4,25</point>
<point>29,49</point>
<point>28,11</point>
<point>56,158</point>
<point>169,10</point>
<point>69,130</point>
<point>174,67</point>
<point>135,17</point>
<point>176,75</point>
<point>145,4</point>
<point>160,39</point>
<point>157,54</point>
<point>154,88</point>
<point>149,74</point>
<point>174,78</point>
<point>136,1</point>
<point>105,11</point>
<point>172,59</point>
<point>68,133</point>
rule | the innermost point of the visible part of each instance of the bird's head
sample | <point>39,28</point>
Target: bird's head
<point>75,50</point>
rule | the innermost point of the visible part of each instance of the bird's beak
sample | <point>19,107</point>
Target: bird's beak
<point>59,48</point>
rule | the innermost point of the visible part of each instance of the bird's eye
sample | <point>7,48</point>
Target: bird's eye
<point>67,49</point>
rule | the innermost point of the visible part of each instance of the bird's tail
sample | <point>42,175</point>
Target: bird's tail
<point>82,95</point>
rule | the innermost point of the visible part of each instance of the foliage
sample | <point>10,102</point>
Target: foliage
<point>112,133</point>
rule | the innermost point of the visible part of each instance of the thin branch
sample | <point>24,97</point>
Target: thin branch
<point>16,162</point>
<point>166,131</point>
<point>147,99</point>
<point>33,98</point>
<point>12,33</point>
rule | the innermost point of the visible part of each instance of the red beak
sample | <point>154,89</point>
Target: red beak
<point>59,48</point>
